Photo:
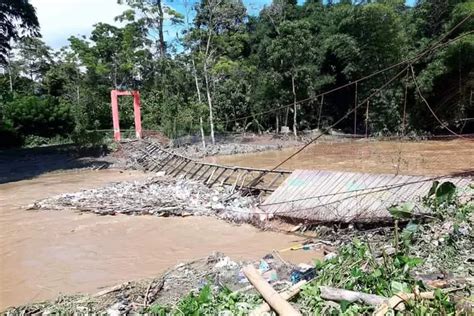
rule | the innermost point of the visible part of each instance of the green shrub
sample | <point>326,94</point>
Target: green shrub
<point>40,116</point>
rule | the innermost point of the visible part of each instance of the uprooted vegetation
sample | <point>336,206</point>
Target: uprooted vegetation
<point>421,265</point>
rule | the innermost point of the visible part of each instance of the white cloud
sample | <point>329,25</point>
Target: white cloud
<point>59,19</point>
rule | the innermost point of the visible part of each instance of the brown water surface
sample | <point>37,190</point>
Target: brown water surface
<point>45,253</point>
<point>409,158</point>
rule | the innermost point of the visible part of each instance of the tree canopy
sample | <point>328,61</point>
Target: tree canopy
<point>240,72</point>
<point>17,18</point>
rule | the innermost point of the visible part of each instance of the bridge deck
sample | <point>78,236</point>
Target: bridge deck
<point>155,158</point>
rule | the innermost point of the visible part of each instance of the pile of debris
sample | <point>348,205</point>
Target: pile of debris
<point>167,289</point>
<point>159,196</point>
<point>197,150</point>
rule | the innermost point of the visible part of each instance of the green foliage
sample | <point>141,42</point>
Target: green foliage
<point>36,141</point>
<point>209,302</point>
<point>404,210</point>
<point>357,268</point>
<point>17,19</point>
<point>40,116</point>
<point>244,65</point>
<point>441,198</point>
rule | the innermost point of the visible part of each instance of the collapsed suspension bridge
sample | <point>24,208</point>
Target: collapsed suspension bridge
<point>154,158</point>
<point>308,195</point>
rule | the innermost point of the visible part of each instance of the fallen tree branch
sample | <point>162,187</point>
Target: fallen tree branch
<point>335,294</point>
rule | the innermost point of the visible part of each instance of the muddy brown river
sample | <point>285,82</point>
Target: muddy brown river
<point>410,158</point>
<point>46,253</point>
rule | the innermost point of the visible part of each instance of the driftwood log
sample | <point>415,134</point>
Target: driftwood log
<point>335,294</point>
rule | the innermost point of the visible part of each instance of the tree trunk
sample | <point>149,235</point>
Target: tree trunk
<point>201,125</point>
<point>196,81</point>
<point>320,111</point>
<point>206,77</point>
<point>209,102</point>
<point>10,79</point>
<point>367,120</point>
<point>160,29</point>
<point>356,103</point>
<point>10,76</point>
<point>277,122</point>
<point>202,133</point>
<point>294,106</point>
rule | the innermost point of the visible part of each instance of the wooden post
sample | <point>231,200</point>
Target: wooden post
<point>286,295</point>
<point>281,306</point>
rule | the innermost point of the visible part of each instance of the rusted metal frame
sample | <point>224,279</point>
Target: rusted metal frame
<point>218,176</point>
<point>181,169</point>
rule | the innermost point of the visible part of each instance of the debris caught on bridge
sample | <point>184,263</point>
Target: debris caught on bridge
<point>160,196</point>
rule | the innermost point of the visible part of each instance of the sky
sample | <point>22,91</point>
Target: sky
<point>60,19</point>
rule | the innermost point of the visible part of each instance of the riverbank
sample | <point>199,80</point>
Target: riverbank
<point>46,253</point>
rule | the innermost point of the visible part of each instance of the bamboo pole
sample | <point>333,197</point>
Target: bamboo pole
<point>280,305</point>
